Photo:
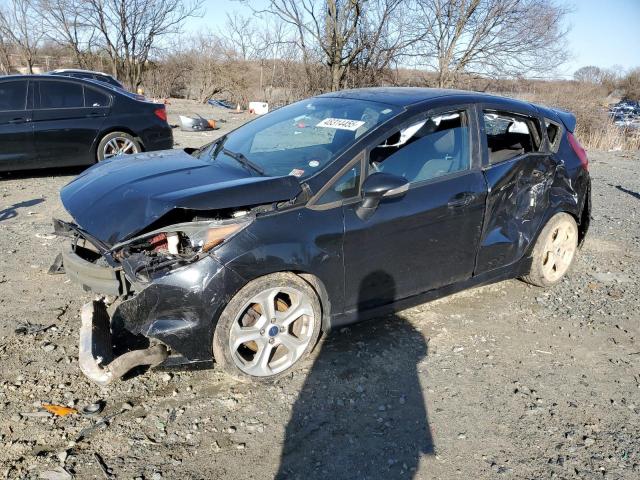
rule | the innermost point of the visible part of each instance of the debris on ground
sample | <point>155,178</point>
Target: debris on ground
<point>59,410</point>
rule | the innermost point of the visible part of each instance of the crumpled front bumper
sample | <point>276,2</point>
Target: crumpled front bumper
<point>179,309</point>
<point>96,356</point>
<point>99,279</point>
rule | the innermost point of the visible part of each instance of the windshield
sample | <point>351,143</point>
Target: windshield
<point>299,139</point>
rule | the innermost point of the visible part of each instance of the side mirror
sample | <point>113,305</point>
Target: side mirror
<point>377,186</point>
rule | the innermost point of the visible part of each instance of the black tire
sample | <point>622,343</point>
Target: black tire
<point>120,138</point>
<point>241,307</point>
<point>544,271</point>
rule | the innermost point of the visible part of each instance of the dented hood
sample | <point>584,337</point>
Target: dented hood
<point>118,198</point>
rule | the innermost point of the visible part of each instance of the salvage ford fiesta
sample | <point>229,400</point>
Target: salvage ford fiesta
<point>317,215</point>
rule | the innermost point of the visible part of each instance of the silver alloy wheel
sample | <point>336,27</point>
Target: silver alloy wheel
<point>272,331</point>
<point>559,250</point>
<point>119,146</point>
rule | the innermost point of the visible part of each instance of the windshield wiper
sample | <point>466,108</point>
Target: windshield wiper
<point>241,159</point>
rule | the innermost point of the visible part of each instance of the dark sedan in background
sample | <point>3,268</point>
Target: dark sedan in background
<point>52,121</point>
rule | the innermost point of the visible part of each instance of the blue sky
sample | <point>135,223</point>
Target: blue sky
<point>603,32</point>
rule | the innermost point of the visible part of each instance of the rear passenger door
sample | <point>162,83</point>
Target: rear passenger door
<point>519,173</point>
<point>16,129</point>
<point>67,118</point>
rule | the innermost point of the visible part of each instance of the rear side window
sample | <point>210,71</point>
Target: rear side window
<point>94,98</point>
<point>554,134</point>
<point>61,95</point>
<point>13,95</point>
<point>425,149</point>
<point>509,135</point>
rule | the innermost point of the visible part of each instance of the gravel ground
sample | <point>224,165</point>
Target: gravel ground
<point>504,381</point>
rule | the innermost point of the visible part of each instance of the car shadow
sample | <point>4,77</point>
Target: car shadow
<point>361,412</point>
<point>43,172</point>
<point>630,192</point>
<point>12,210</point>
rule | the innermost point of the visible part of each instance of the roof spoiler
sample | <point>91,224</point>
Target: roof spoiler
<point>568,119</point>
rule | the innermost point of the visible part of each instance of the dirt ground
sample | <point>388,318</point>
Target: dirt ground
<point>505,381</point>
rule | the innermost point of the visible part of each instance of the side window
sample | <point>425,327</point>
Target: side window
<point>554,134</point>
<point>13,95</point>
<point>345,187</point>
<point>94,98</point>
<point>429,148</point>
<point>509,135</point>
<point>61,95</point>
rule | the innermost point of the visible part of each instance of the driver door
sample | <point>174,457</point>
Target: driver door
<point>428,237</point>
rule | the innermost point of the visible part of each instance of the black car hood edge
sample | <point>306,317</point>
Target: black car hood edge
<point>116,199</point>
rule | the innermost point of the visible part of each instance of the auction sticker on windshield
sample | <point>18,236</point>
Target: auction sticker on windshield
<point>341,124</point>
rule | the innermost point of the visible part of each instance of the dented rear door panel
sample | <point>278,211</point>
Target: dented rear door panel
<point>519,194</point>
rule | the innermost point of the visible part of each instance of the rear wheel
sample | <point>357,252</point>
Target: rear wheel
<point>554,251</point>
<point>268,328</point>
<point>117,143</point>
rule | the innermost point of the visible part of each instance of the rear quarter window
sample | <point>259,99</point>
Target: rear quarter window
<point>554,134</point>
<point>95,98</point>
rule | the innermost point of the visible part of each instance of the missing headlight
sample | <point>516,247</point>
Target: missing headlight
<point>181,243</point>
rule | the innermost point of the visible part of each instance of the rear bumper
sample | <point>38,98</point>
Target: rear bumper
<point>157,138</point>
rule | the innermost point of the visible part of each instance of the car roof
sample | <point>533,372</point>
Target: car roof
<point>407,96</point>
<point>89,81</point>
<point>78,70</point>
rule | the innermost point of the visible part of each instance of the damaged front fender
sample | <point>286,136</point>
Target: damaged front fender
<point>180,308</point>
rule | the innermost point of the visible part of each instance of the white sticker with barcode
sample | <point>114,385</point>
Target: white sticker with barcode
<point>341,124</point>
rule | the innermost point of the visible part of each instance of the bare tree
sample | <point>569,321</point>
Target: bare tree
<point>240,34</point>
<point>129,30</point>
<point>66,26</point>
<point>5,59</point>
<point>386,35</point>
<point>589,74</point>
<point>21,26</point>
<point>630,83</point>
<point>492,38</point>
<point>337,32</point>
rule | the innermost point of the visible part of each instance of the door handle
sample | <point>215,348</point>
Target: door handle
<point>461,200</point>
<point>18,120</point>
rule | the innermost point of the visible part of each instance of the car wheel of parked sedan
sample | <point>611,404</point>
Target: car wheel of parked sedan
<point>117,143</point>
<point>554,251</point>
<point>268,327</point>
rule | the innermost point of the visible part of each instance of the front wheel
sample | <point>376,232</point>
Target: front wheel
<point>268,327</point>
<point>554,251</point>
<point>117,143</point>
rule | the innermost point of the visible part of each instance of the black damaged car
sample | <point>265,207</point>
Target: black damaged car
<point>328,211</point>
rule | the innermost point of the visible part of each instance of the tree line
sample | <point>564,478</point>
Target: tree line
<point>325,44</point>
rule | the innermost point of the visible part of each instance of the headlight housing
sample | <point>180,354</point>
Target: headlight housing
<point>206,237</point>
<point>184,239</point>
